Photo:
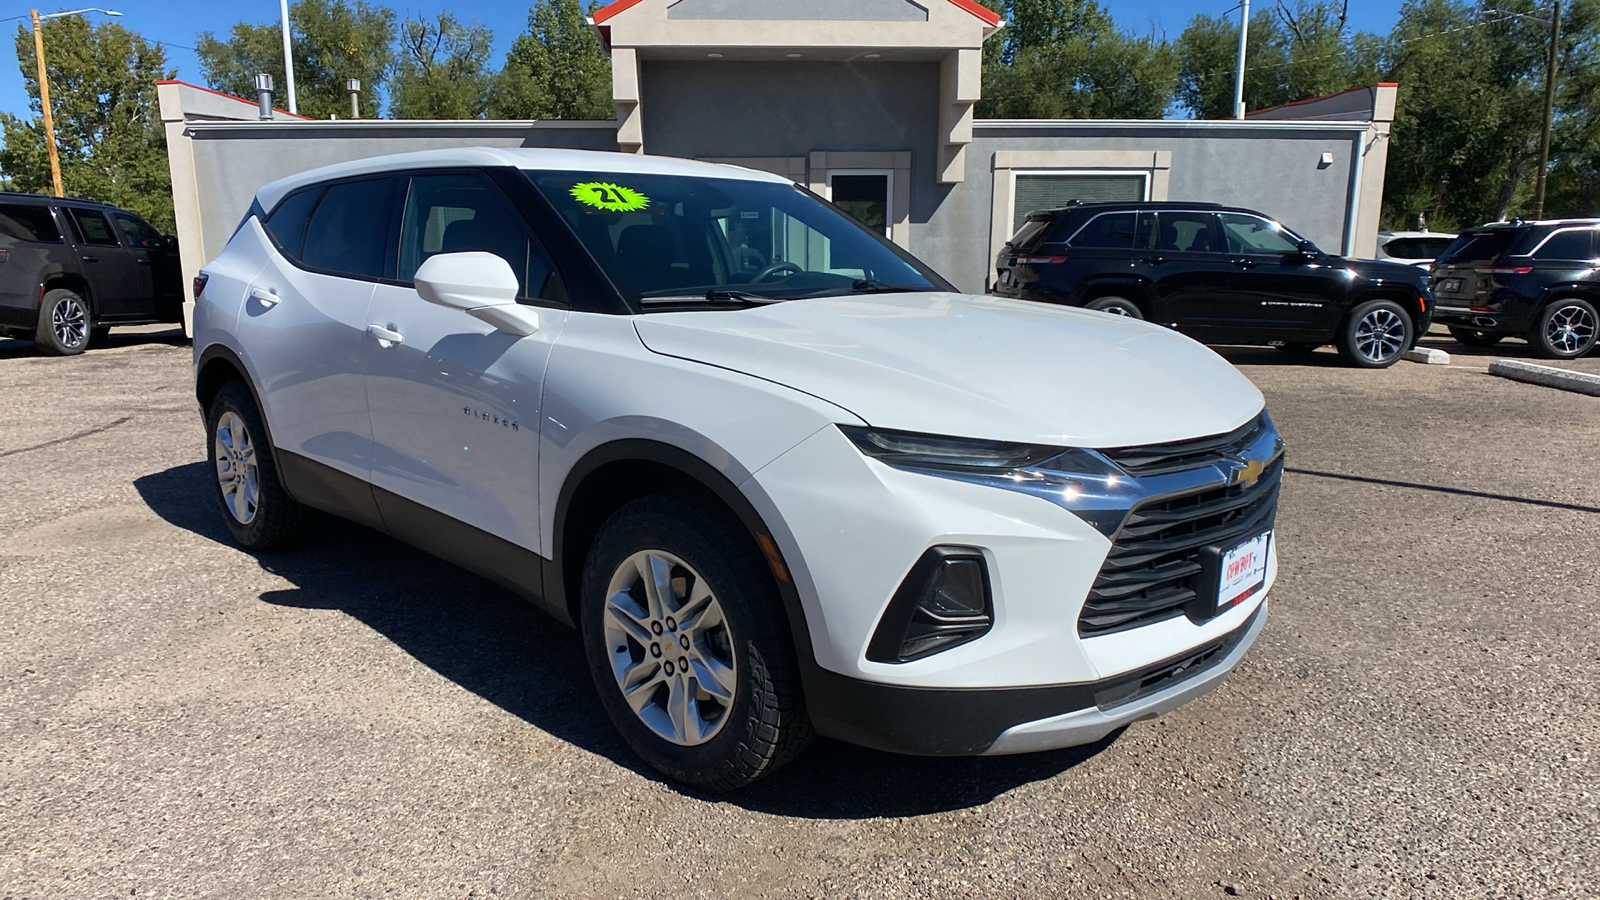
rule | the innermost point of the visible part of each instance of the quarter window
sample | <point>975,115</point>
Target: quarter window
<point>348,229</point>
<point>28,223</point>
<point>92,227</point>
<point>1570,244</point>
<point>287,224</point>
<point>458,213</point>
<point>1253,234</point>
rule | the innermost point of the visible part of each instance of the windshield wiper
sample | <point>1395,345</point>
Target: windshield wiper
<point>869,286</point>
<point>715,296</point>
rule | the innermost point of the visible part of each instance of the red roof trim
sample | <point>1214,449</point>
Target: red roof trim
<point>989,16</point>
<point>1364,87</point>
<point>229,96</point>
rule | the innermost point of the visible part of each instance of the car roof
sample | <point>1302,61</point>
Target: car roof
<point>520,158</point>
<point>1389,235</point>
<point>18,196</point>
<point>1535,223</point>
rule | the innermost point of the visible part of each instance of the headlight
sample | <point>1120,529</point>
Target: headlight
<point>1080,480</point>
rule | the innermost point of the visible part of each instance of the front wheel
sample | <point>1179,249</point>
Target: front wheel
<point>65,323</point>
<point>1471,337</point>
<point>1565,330</point>
<point>1375,335</point>
<point>688,644</point>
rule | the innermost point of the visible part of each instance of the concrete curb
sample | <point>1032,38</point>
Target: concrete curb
<point>1428,356</point>
<point>1562,379</point>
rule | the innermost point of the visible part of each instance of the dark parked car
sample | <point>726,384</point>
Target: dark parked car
<point>1221,275</point>
<point>71,269</point>
<point>1532,280</point>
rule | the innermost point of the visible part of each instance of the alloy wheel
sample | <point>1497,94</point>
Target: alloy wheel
<point>1380,335</point>
<point>669,646</point>
<point>237,473</point>
<point>1570,329</point>
<point>69,320</point>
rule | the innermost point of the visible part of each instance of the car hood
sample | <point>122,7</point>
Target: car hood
<point>1382,271</point>
<point>972,366</point>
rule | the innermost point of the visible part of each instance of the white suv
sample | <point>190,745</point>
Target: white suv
<point>780,475</point>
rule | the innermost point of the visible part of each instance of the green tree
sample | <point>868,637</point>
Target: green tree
<point>103,101</point>
<point>555,70</point>
<point>443,70</point>
<point>1068,59</point>
<point>333,41</point>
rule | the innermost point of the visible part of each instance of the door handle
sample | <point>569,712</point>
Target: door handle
<point>143,261</point>
<point>1245,263</point>
<point>1154,260</point>
<point>264,297</point>
<point>90,258</point>
<point>387,337</point>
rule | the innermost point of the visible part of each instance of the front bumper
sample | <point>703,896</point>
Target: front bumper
<point>996,721</point>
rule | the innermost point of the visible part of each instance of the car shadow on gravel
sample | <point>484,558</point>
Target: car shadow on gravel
<point>11,348</point>
<point>498,646</point>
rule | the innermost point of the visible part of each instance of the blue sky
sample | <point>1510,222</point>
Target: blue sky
<point>176,22</point>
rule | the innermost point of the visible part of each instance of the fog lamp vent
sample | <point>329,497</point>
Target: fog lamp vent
<point>943,602</point>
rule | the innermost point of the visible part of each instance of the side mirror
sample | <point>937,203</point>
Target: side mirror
<point>1308,249</point>
<point>169,242</point>
<point>479,284</point>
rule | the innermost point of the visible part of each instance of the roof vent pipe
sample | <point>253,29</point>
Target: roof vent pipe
<point>264,95</point>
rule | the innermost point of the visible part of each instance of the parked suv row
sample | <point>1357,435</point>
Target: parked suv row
<point>71,269</point>
<point>1222,275</point>
<point>1534,280</point>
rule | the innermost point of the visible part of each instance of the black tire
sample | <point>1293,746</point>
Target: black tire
<point>66,325</point>
<point>1117,306</point>
<point>1376,334</point>
<point>1299,348</point>
<point>1470,337</point>
<point>277,520</point>
<point>1565,330</point>
<point>765,724</point>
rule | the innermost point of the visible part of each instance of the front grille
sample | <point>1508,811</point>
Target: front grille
<point>1153,571</point>
<point>1159,459</point>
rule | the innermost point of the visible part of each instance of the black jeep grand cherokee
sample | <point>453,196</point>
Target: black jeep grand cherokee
<point>1219,274</point>
<point>1533,280</point>
<point>71,269</point>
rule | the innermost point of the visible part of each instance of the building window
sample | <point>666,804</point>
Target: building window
<point>865,195</point>
<point>1053,190</point>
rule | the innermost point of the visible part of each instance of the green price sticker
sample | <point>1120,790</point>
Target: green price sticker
<point>609,197</point>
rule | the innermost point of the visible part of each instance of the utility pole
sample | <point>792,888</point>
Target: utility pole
<point>288,57</point>
<point>1244,38</point>
<point>44,104</point>
<point>1549,110</point>
<point>44,89</point>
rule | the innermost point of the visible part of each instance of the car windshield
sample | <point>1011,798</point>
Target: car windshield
<point>665,238</point>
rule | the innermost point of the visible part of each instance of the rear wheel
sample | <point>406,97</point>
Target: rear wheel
<point>1375,335</point>
<point>1471,337</point>
<point>255,507</point>
<point>688,644</point>
<point>65,323</point>
<point>1117,306</point>
<point>1566,329</point>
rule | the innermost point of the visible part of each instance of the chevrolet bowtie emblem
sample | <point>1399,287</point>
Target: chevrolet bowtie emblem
<point>1250,474</point>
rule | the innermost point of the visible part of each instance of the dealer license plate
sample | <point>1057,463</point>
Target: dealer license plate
<point>1005,277</point>
<point>1450,285</point>
<point>1243,571</point>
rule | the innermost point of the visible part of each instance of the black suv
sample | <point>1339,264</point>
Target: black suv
<point>1219,274</point>
<point>1533,280</point>
<point>71,269</point>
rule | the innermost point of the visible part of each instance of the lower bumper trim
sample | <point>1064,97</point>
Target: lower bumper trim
<point>979,721</point>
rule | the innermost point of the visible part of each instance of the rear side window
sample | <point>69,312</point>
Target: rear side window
<point>1113,231</point>
<point>348,229</point>
<point>92,227</point>
<point>28,223</point>
<point>1570,244</point>
<point>457,213</point>
<point>287,224</point>
<point>1481,246</point>
<point>1187,232</point>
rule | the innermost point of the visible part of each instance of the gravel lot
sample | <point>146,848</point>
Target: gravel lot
<point>179,718</point>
